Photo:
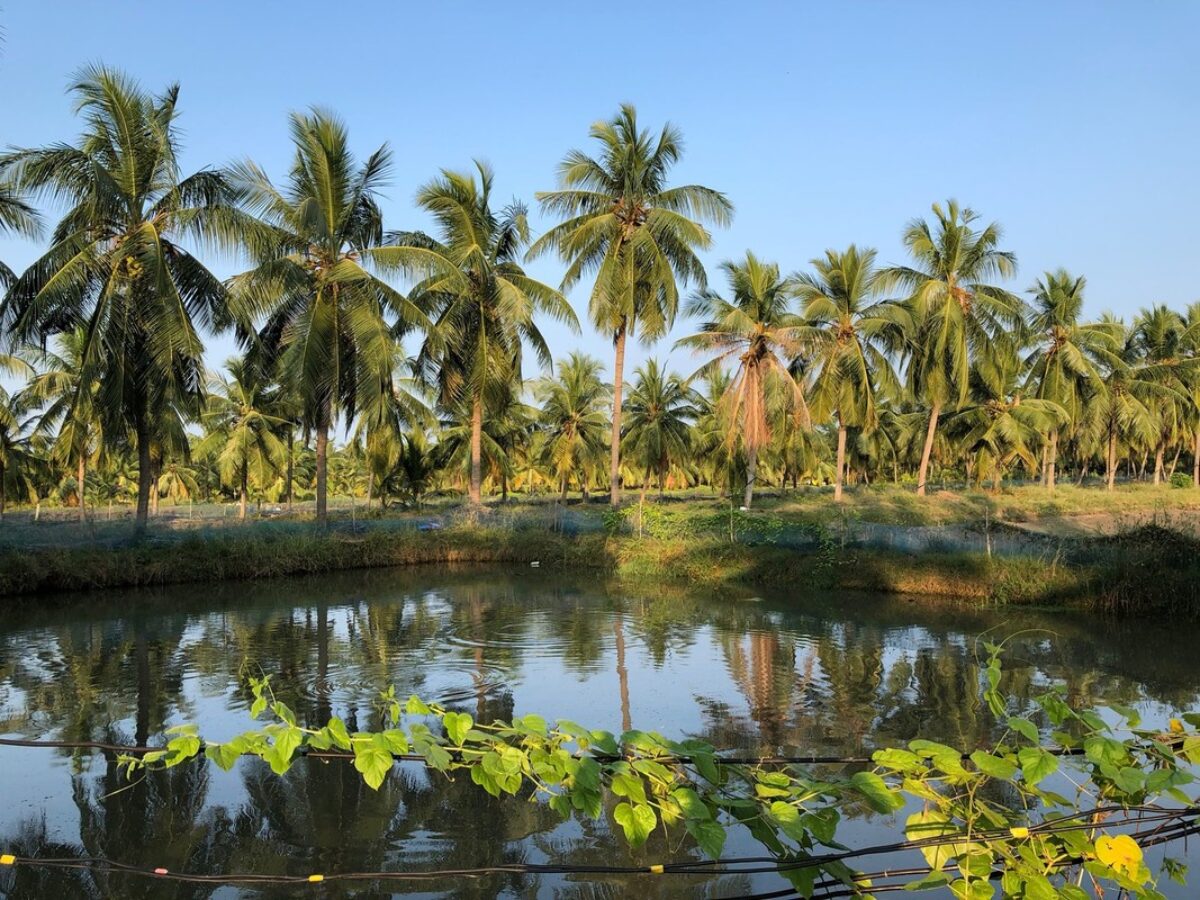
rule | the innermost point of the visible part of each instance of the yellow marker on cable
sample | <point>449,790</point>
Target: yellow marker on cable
<point>656,870</point>
<point>316,878</point>
<point>7,859</point>
<point>1019,831</point>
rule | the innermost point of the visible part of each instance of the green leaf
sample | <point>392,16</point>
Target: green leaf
<point>284,712</point>
<point>224,755</point>
<point>927,824</point>
<point>337,731</point>
<point>709,835</point>
<point>373,760</point>
<point>993,766</point>
<point>532,724</point>
<point>1036,763</point>
<point>397,740</point>
<point>630,786</point>
<point>1025,728</point>
<point>691,804</point>
<point>457,726</point>
<point>637,821</point>
<point>417,707</point>
<point>279,755</point>
<point>881,798</point>
<point>900,760</point>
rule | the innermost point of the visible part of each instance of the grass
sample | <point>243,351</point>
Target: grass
<point>1147,570</point>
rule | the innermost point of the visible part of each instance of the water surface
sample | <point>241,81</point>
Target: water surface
<point>775,672</point>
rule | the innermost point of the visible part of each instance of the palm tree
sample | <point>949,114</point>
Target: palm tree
<point>1121,408</point>
<point>847,337</point>
<point>328,319</point>
<point>1160,341</point>
<point>115,267</point>
<point>999,426</point>
<point>243,428</point>
<point>395,406</point>
<point>70,407</point>
<point>573,421</point>
<point>17,457</point>
<point>621,221</point>
<point>756,331</point>
<point>1192,342</point>
<point>18,217</point>
<point>959,320</point>
<point>480,299</point>
<point>1068,358</point>
<point>658,417</point>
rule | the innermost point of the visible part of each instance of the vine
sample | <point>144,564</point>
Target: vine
<point>1029,839</point>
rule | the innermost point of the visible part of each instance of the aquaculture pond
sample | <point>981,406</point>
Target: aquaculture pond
<point>767,673</point>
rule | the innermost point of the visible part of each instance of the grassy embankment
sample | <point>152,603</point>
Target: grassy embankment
<point>1145,569</point>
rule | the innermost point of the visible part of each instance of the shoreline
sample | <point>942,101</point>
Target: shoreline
<point>1149,570</point>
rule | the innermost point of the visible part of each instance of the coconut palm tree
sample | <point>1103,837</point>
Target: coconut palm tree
<point>18,458</point>
<point>1192,343</point>
<point>1120,410</point>
<point>116,266</point>
<point>1068,358</point>
<point>396,405</point>
<point>847,339</point>
<point>572,420</point>
<point>756,332</point>
<point>1160,341</point>
<point>1000,426</point>
<point>480,299</point>
<point>328,317</point>
<point>658,421</point>
<point>17,217</point>
<point>244,431</point>
<point>622,221</point>
<point>69,408</point>
<point>960,321</point>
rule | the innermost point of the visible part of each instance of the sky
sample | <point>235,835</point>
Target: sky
<point>1073,124</point>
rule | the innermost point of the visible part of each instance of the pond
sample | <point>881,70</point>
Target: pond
<point>766,673</point>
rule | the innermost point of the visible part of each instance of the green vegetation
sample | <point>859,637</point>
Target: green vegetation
<point>1147,570</point>
<point>987,813</point>
<point>848,374</point>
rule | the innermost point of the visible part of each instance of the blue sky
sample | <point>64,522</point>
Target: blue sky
<point>1073,124</point>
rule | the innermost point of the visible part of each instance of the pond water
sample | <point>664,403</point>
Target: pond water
<point>773,672</point>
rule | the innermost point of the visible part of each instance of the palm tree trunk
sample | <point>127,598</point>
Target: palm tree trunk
<point>141,650</point>
<point>370,484</point>
<point>614,464</point>
<point>622,674</point>
<point>155,472</point>
<point>841,460</point>
<point>751,465</point>
<point>930,433</point>
<point>1196,461</point>
<point>2,492</point>
<point>1051,459</point>
<point>323,470</point>
<point>245,493</point>
<point>145,472</point>
<point>565,485</point>
<point>1174,461</point>
<point>1158,463</point>
<point>1111,462</point>
<point>80,473</point>
<point>291,441</point>
<point>475,488</point>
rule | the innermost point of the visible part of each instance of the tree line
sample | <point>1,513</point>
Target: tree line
<point>845,371</point>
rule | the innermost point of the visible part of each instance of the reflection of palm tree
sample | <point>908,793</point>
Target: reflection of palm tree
<point>622,672</point>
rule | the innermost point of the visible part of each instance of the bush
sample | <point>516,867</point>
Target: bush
<point>1181,480</point>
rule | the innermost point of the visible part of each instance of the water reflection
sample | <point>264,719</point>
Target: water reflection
<point>829,675</point>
